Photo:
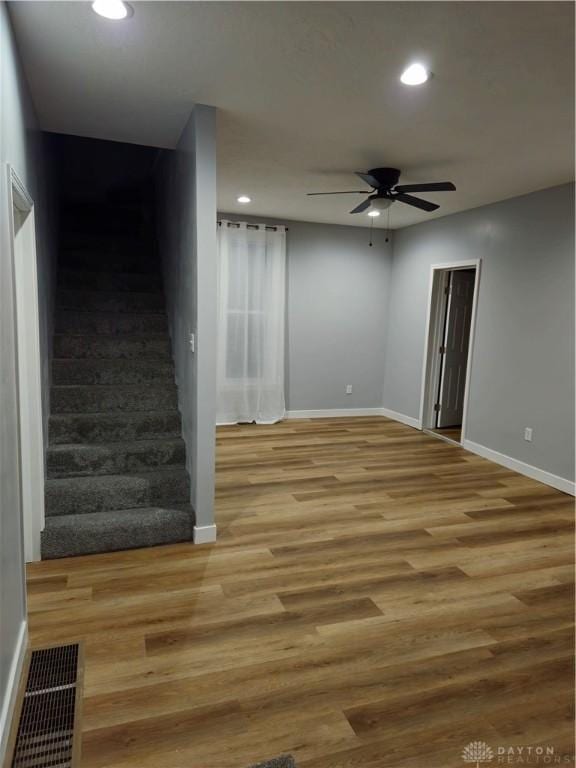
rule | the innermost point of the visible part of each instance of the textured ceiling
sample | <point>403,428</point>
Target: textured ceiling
<point>309,92</point>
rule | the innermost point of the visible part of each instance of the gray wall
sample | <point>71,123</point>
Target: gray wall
<point>21,146</point>
<point>188,250</point>
<point>522,371</point>
<point>337,291</point>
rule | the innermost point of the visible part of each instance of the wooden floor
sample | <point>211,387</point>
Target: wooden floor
<point>452,433</point>
<point>377,598</point>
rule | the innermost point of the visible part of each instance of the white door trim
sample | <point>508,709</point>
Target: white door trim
<point>31,440</point>
<point>431,360</point>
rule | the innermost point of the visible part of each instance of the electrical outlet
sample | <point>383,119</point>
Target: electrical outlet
<point>348,389</point>
<point>528,434</point>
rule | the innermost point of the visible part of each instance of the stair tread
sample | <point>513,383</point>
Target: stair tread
<point>155,311</point>
<point>115,280</point>
<point>82,300</point>
<point>88,361</point>
<point>86,494</point>
<point>102,347</point>
<point>119,273</point>
<point>112,530</point>
<point>125,426</point>
<point>118,398</point>
<point>126,416</point>
<point>157,335</point>
<point>89,459</point>
<point>158,292</point>
<point>111,362</point>
<point>112,371</point>
<point>116,291</point>
<point>114,387</point>
<point>117,445</point>
<point>114,516</point>
<point>110,323</point>
<point>108,480</point>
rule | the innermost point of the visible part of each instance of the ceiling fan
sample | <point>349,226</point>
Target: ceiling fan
<point>386,190</point>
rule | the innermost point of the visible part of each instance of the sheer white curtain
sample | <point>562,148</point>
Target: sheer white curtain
<point>251,306</point>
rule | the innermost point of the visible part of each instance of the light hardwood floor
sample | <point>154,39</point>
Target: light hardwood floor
<point>377,598</point>
<point>453,433</point>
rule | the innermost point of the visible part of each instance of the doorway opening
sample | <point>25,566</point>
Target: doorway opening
<point>23,242</point>
<point>448,351</point>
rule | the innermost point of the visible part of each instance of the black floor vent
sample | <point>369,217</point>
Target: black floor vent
<point>46,735</point>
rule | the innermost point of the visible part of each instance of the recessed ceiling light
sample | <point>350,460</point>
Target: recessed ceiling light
<point>244,199</point>
<point>373,213</point>
<point>112,9</point>
<point>415,74</point>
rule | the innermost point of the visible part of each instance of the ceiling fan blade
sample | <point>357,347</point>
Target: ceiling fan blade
<point>435,186</point>
<point>361,207</point>
<point>373,182</point>
<point>349,192</point>
<point>416,202</point>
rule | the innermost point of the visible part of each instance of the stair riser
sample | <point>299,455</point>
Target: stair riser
<point>103,301</point>
<point>96,347</point>
<point>102,428</point>
<point>109,323</point>
<point>134,529</point>
<point>104,281</point>
<point>81,460</point>
<point>64,497</point>
<point>100,399</point>
<point>110,372</point>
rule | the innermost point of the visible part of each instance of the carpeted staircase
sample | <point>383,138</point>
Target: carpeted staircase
<point>116,476</point>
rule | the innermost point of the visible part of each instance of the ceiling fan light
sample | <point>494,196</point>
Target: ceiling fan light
<point>380,204</point>
<point>373,213</point>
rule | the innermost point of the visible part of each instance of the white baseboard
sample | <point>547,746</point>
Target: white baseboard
<point>410,421</point>
<point>12,688</point>
<point>333,413</point>
<point>567,486</point>
<point>204,534</point>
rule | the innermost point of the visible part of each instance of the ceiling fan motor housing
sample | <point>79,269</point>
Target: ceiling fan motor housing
<point>386,177</point>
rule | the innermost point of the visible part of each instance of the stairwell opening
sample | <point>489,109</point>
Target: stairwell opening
<point>116,461</point>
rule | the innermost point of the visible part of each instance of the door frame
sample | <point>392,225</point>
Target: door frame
<point>432,361</point>
<point>30,415</point>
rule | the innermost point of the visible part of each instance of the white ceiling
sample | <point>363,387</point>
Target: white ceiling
<point>308,92</point>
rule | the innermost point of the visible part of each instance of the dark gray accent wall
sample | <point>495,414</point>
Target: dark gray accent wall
<point>337,293</point>
<point>522,371</point>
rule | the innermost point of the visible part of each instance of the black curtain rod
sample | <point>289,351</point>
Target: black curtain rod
<point>250,226</point>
